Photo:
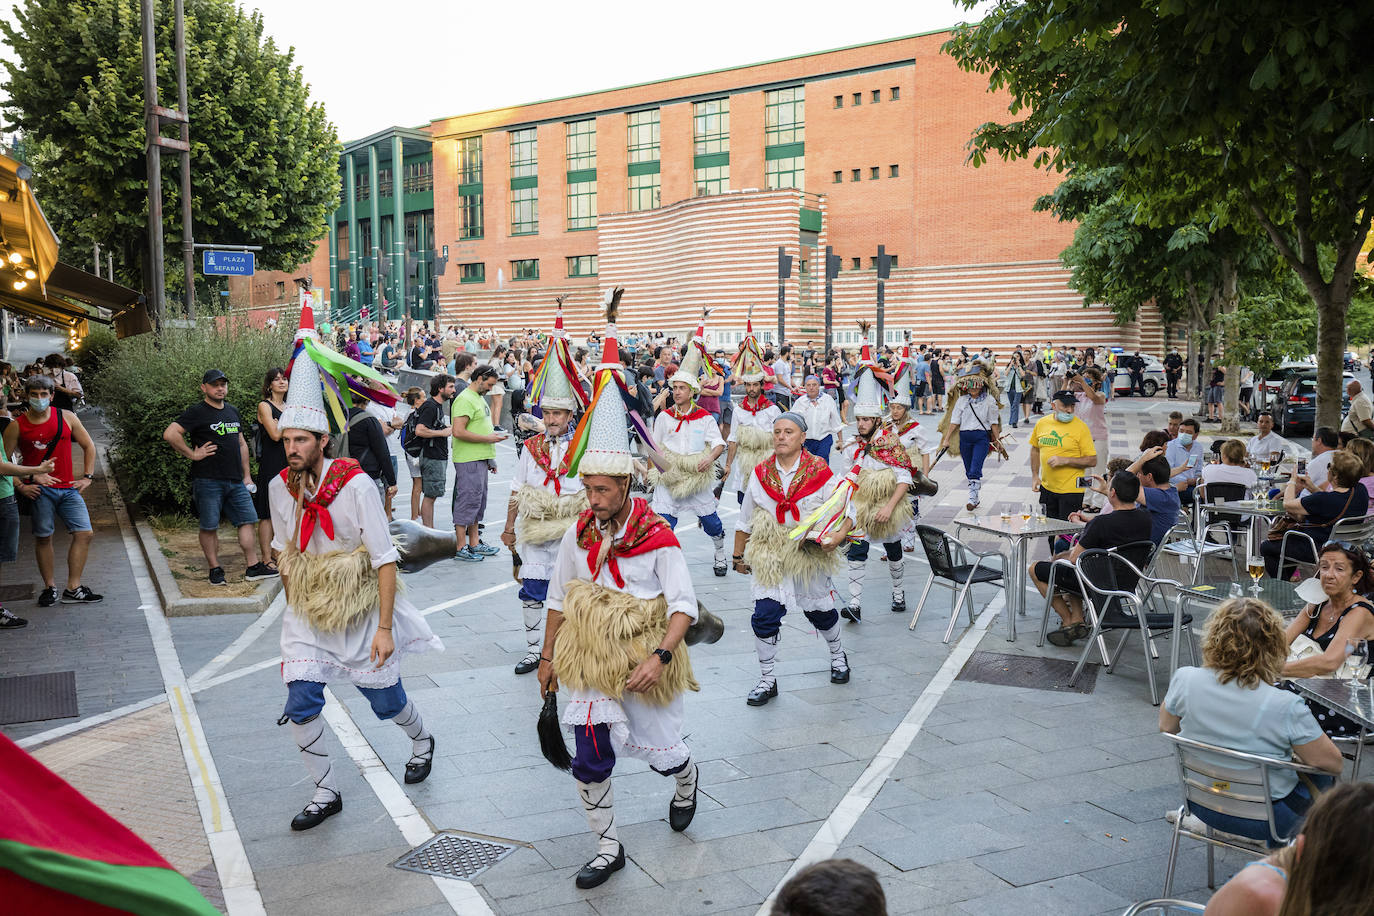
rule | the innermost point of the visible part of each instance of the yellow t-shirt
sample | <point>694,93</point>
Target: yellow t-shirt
<point>1066,440</point>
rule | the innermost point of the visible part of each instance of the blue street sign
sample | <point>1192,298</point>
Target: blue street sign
<point>227,263</point>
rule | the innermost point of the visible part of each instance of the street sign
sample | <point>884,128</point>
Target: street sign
<point>227,263</point>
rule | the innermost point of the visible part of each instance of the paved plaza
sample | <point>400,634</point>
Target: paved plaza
<point>964,797</point>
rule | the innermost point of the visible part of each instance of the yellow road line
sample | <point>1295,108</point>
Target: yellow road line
<point>194,741</point>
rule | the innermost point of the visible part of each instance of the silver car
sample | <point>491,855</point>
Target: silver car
<point>1154,376</point>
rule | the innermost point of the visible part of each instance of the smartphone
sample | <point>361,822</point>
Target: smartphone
<point>1302,465</point>
<point>1192,461</point>
<point>1083,482</point>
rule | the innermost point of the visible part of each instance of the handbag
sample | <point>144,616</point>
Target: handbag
<point>1286,523</point>
<point>25,503</point>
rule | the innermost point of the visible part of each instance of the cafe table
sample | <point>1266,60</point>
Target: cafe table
<point>1254,509</point>
<point>1356,705</point>
<point>1280,594</point>
<point>1018,533</point>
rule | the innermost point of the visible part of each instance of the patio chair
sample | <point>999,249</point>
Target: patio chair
<point>1293,535</point>
<point>1141,551</point>
<point>1358,531</point>
<point>1118,596</point>
<point>950,567</point>
<point>1165,906</point>
<point>1215,539</point>
<point>1223,781</point>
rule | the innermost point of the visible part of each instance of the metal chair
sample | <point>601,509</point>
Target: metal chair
<point>1294,534</point>
<point>1115,599</point>
<point>1063,567</point>
<point>1164,905</point>
<point>949,563</point>
<point>1198,544</point>
<point>1227,782</point>
<point>1358,531</point>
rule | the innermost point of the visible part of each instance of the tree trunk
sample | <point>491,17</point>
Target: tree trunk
<point>1331,315</point>
<point>1230,404</point>
<point>1190,365</point>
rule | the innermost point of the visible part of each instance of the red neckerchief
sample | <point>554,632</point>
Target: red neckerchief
<point>695,412</point>
<point>538,447</point>
<point>886,448</point>
<point>644,531</point>
<point>908,428</point>
<point>761,405</point>
<point>812,474</point>
<point>316,511</point>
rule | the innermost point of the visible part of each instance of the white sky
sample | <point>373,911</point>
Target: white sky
<point>406,62</point>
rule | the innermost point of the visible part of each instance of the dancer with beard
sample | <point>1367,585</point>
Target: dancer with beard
<point>751,434</point>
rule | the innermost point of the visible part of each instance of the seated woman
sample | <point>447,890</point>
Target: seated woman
<point>1317,511</point>
<point>1231,702</point>
<point>1345,615</point>
<point>1326,870</point>
<point>1363,449</point>
<point>1233,468</point>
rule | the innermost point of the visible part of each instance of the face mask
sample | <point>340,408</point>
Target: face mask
<point>1063,416</point>
<point>1185,439</point>
<point>39,403</point>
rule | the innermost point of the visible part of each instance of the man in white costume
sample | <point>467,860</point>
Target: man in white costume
<point>913,437</point>
<point>824,428</point>
<point>344,620</point>
<point>545,499</point>
<point>620,601</point>
<point>751,433</point>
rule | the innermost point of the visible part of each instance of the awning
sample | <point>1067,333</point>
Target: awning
<point>74,296</point>
<point>24,230</point>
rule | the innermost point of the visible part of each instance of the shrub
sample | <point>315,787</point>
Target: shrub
<point>95,351</point>
<point>148,381</point>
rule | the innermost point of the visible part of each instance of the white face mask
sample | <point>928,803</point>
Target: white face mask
<point>1063,416</point>
<point>39,403</point>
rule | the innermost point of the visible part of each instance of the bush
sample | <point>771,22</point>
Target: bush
<point>148,381</point>
<point>94,353</point>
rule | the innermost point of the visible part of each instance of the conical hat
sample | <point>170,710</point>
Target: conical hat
<point>608,436</point>
<point>304,398</point>
<point>691,366</point>
<point>749,362</point>
<point>556,391</point>
<point>868,396</point>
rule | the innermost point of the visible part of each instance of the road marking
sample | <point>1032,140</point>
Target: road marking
<point>415,828</point>
<point>464,599</point>
<point>831,835</point>
<point>244,640</point>
<point>226,846</point>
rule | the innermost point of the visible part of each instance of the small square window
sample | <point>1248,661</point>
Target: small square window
<point>472,273</point>
<point>854,175</point>
<point>896,93</point>
<point>873,263</point>
<point>872,172</point>
<point>892,260</point>
<point>858,98</point>
<point>527,269</point>
<point>877,95</point>
<point>892,171</point>
<point>839,101</point>
<point>839,176</point>
<point>853,263</point>
<point>281,289</point>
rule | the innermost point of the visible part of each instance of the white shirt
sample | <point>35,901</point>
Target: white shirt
<point>758,419</point>
<point>782,373</point>
<point>1229,473</point>
<point>1260,447</point>
<point>1317,467</point>
<point>916,437</point>
<point>528,473</point>
<point>686,437</point>
<point>821,415</point>
<point>647,575</point>
<point>972,415</point>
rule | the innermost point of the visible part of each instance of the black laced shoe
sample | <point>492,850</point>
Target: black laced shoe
<point>315,813</point>
<point>417,768</point>
<point>595,872</point>
<point>760,695</point>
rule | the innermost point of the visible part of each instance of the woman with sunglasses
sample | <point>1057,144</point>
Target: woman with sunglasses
<point>1345,615</point>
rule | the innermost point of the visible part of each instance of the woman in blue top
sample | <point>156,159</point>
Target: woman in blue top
<point>1318,512</point>
<point>1231,702</point>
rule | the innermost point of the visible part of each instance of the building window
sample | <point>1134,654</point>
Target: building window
<point>892,260</point>
<point>472,273</point>
<point>784,116</point>
<point>524,211</point>
<point>643,136</point>
<point>711,180</point>
<point>281,289</point>
<point>896,93</point>
<point>527,269</point>
<point>417,177</point>
<point>582,205</point>
<point>524,153</point>
<point>581,145</point>
<point>873,263</point>
<point>469,216</point>
<point>858,98</point>
<point>711,127</point>
<point>877,96</point>
<point>788,172</point>
<point>644,191</point>
<point>854,175</point>
<point>839,177</point>
<point>892,171</point>
<point>839,101</point>
<point>470,160</point>
<point>582,266</point>
<point>872,173</point>
<point>853,263</point>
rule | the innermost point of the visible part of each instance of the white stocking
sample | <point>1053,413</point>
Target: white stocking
<point>598,800</point>
<point>767,649</point>
<point>686,785</point>
<point>309,738</point>
<point>895,568</point>
<point>533,612</point>
<point>832,639</point>
<point>856,581</point>
<point>408,720</point>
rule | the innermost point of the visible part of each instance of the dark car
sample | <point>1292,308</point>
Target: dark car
<point>1352,362</point>
<point>1295,409</point>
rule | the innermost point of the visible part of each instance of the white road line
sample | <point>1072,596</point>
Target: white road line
<point>244,640</point>
<point>90,722</point>
<point>464,599</point>
<point>831,835</point>
<point>462,896</point>
<point>226,846</point>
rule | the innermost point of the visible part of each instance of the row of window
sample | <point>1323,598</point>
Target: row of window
<point>416,177</point>
<point>528,269</point>
<point>873,173</point>
<point>875,96</point>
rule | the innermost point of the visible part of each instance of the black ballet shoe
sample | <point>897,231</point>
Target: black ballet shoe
<point>419,772</point>
<point>314,814</point>
<point>760,695</point>
<point>595,872</point>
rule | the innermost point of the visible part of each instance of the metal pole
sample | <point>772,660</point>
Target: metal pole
<point>882,283</point>
<point>188,253</point>
<point>155,281</point>
<point>374,251</point>
<point>97,258</point>
<point>398,228</point>
<point>109,267</point>
<point>351,189</point>
<point>829,302</point>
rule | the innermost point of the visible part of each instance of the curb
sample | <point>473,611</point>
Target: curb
<point>175,604</point>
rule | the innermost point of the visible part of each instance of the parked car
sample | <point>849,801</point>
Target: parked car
<point>1154,376</point>
<point>1269,387</point>
<point>1352,362</point>
<point>1295,408</point>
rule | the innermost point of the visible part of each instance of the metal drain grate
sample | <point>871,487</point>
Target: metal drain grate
<point>1027,671</point>
<point>454,855</point>
<point>37,697</point>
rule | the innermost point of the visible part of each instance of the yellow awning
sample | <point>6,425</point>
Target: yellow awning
<point>24,230</point>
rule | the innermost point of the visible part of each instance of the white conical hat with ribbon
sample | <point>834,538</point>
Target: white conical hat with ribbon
<point>690,369</point>
<point>868,395</point>
<point>556,390</point>
<point>305,396</point>
<point>749,361</point>
<point>608,436</point>
<point>902,384</point>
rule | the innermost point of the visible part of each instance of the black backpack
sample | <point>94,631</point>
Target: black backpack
<point>411,443</point>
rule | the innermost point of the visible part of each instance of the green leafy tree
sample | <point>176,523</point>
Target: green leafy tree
<point>1266,99</point>
<point>264,158</point>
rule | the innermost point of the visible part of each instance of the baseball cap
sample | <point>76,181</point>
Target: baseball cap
<point>212,376</point>
<point>1065,396</point>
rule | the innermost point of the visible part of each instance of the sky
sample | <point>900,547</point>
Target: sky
<point>407,62</point>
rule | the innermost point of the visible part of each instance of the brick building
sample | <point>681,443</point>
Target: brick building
<point>682,190</point>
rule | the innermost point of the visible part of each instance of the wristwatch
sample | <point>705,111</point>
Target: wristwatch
<point>664,655</point>
<point>89,476</point>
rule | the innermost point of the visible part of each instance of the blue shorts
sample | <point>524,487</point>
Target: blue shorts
<point>214,497</point>
<point>9,530</point>
<point>61,502</point>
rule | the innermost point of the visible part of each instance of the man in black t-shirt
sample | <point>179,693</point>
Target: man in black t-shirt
<point>1127,523</point>
<point>431,425</point>
<point>220,475</point>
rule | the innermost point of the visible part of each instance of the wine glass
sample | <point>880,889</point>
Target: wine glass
<point>1264,465</point>
<point>1255,567</point>
<point>1026,512</point>
<point>1358,650</point>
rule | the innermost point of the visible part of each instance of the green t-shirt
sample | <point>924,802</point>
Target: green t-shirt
<point>472,405</point>
<point>6,483</point>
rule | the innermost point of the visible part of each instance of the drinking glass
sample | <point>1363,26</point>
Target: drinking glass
<point>1264,465</point>
<point>1027,511</point>
<point>1255,567</point>
<point>1358,650</point>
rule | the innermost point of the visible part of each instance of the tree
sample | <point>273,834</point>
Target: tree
<point>1267,99</point>
<point>264,158</point>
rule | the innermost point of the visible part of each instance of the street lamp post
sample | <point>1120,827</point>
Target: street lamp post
<point>784,271</point>
<point>832,270</point>
<point>884,268</point>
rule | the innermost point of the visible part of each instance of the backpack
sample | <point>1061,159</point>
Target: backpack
<point>411,443</point>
